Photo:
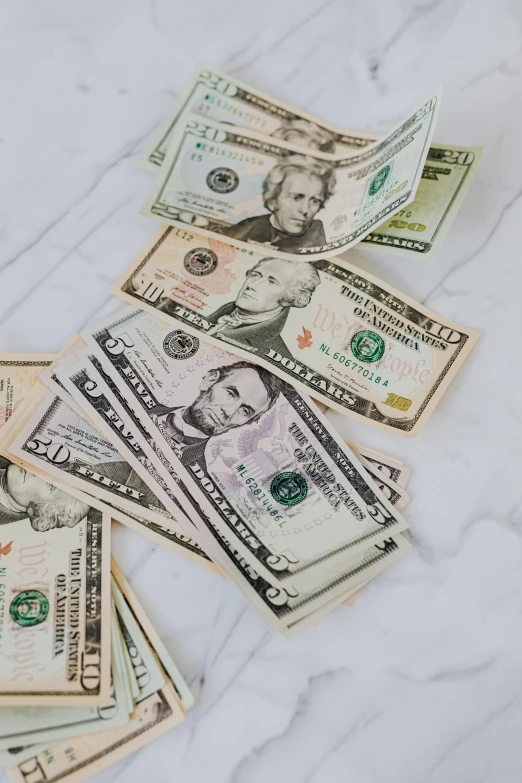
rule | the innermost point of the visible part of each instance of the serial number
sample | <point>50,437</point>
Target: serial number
<point>361,369</point>
<point>223,152</point>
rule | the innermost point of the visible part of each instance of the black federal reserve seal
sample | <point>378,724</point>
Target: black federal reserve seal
<point>180,345</point>
<point>222,180</point>
<point>200,261</point>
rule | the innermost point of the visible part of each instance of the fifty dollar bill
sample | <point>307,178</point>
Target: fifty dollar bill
<point>55,440</point>
<point>54,580</point>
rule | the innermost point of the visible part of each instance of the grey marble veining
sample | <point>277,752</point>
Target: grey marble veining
<point>421,680</point>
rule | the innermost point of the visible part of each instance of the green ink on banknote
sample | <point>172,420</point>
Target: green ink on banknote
<point>289,488</point>
<point>367,346</point>
<point>28,608</point>
<point>379,180</point>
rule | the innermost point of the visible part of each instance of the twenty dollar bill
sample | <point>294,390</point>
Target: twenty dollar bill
<point>228,181</point>
<point>416,230</point>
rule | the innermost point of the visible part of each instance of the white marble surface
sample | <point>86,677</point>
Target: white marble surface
<point>422,679</point>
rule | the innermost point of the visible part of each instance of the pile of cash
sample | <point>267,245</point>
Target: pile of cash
<point>84,677</point>
<point>185,414</point>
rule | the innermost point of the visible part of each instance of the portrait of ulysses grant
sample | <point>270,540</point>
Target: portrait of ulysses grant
<point>294,191</point>
<point>259,313</point>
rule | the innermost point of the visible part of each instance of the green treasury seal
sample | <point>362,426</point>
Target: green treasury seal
<point>379,180</point>
<point>288,488</point>
<point>367,346</point>
<point>30,607</point>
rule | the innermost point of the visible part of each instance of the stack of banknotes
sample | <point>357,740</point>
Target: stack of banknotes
<point>84,678</point>
<point>231,160</point>
<point>195,413</point>
<point>223,456</point>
